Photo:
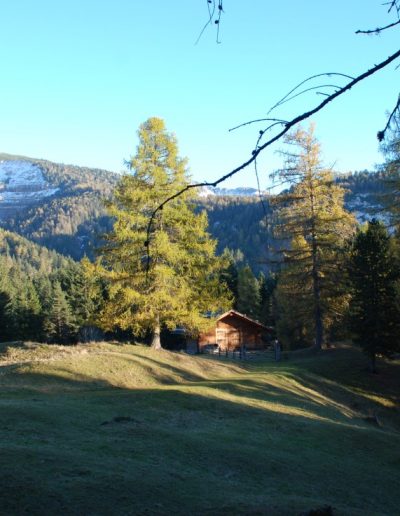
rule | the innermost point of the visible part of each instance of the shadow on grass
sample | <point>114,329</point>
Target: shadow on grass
<point>335,379</point>
<point>217,447</point>
<point>329,387</point>
<point>165,372</point>
<point>287,396</point>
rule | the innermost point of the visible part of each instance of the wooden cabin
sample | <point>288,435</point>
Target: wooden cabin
<point>234,330</point>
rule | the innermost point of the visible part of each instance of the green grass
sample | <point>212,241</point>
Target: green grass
<point>121,429</point>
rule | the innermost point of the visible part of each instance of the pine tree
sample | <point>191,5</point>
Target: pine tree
<point>23,311</point>
<point>267,285</point>
<point>229,274</point>
<point>83,291</point>
<point>170,276</point>
<point>89,296</point>
<point>249,298</point>
<point>59,324</point>
<point>33,314</point>
<point>312,219</point>
<point>5,299</point>
<point>375,273</point>
<point>5,322</point>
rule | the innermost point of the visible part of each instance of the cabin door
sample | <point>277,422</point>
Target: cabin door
<point>221,338</point>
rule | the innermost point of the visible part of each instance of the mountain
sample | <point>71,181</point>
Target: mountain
<point>22,184</point>
<point>365,195</point>
<point>234,192</point>
<point>44,178</point>
<point>62,207</point>
<point>56,205</point>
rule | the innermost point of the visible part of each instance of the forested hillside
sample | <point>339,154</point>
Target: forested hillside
<point>72,220</point>
<point>30,258</point>
<point>69,224</point>
<point>240,224</point>
<point>42,293</point>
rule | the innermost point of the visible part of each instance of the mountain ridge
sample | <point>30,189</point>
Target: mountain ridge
<point>72,218</point>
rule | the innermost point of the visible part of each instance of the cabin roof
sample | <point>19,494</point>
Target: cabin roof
<point>234,313</point>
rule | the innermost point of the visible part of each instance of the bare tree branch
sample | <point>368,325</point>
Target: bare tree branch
<point>378,30</point>
<point>393,5</point>
<point>287,127</point>
<point>381,134</point>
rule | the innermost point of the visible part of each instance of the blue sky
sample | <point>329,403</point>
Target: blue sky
<point>79,77</point>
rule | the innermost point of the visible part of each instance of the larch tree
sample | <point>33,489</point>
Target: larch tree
<point>163,274</point>
<point>375,310</point>
<point>313,226</point>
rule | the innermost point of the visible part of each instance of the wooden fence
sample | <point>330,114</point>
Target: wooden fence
<point>243,354</point>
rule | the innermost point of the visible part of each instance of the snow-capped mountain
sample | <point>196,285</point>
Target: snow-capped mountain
<point>366,207</point>
<point>21,184</point>
<point>240,191</point>
<point>54,204</point>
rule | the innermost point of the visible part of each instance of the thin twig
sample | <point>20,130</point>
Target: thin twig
<point>325,74</point>
<point>210,18</point>
<point>276,120</point>
<point>288,99</point>
<point>258,180</point>
<point>393,4</point>
<point>218,20</point>
<point>378,30</point>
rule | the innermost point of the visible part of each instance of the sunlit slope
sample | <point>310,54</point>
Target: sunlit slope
<point>108,429</point>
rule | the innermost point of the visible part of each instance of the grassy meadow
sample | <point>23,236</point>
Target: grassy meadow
<point>122,429</point>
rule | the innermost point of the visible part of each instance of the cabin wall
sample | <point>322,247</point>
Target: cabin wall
<point>232,333</point>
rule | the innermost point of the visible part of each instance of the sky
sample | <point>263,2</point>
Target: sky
<point>78,77</point>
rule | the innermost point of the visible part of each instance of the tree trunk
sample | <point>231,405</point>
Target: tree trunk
<point>156,340</point>
<point>319,324</point>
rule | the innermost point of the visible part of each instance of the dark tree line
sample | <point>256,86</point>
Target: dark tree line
<point>374,269</point>
<point>44,296</point>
